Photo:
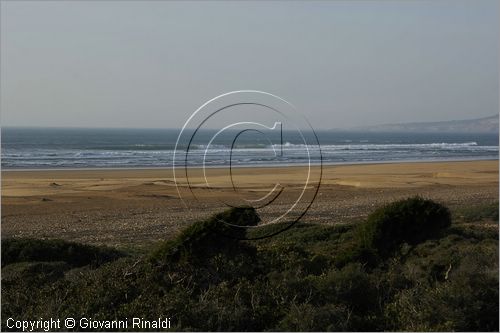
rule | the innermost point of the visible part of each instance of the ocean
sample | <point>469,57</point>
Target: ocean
<point>49,148</point>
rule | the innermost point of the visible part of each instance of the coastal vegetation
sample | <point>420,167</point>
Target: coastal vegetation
<point>412,265</point>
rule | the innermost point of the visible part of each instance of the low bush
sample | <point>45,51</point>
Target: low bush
<point>34,272</point>
<point>486,211</point>
<point>74,254</point>
<point>409,221</point>
<point>206,281</point>
<point>201,240</point>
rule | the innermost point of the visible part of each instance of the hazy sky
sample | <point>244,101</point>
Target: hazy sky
<point>150,64</point>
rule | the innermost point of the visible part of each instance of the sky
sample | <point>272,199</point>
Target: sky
<point>152,63</point>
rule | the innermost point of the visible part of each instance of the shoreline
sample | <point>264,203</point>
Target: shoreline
<point>259,166</point>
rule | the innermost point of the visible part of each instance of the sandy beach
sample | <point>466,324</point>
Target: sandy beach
<point>139,206</point>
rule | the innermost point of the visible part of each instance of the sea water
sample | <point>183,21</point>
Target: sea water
<point>46,148</point>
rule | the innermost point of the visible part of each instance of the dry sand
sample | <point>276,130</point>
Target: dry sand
<point>135,206</point>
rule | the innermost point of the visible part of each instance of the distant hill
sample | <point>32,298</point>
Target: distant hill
<point>480,125</point>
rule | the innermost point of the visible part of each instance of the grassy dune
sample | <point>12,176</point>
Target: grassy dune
<point>412,265</point>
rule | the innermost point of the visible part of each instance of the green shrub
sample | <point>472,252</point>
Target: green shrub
<point>239,216</point>
<point>468,303</point>
<point>206,281</point>
<point>356,251</point>
<point>411,221</point>
<point>487,211</point>
<point>204,239</point>
<point>308,318</point>
<point>74,254</point>
<point>34,272</point>
<point>351,286</point>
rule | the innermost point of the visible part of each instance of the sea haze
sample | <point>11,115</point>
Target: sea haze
<point>45,148</point>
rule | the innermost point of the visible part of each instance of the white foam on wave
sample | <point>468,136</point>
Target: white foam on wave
<point>218,155</point>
